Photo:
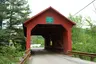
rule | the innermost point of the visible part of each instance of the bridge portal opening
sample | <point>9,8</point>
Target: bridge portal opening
<point>52,34</point>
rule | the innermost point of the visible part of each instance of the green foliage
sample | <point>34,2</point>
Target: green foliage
<point>10,54</point>
<point>38,40</point>
<point>13,13</point>
<point>17,12</point>
<point>4,36</point>
<point>3,8</point>
<point>84,39</point>
<point>77,19</point>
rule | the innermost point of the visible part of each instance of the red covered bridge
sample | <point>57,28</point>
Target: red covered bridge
<point>53,26</point>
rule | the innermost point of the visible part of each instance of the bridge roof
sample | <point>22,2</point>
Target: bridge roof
<point>45,11</point>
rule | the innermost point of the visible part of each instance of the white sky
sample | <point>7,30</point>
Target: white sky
<point>64,7</point>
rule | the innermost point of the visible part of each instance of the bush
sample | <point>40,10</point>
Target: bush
<point>10,54</point>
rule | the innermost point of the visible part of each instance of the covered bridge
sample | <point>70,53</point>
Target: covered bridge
<point>53,26</point>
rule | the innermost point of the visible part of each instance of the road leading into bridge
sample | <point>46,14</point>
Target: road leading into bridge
<point>54,58</point>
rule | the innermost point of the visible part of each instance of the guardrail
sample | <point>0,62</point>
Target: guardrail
<point>91,55</point>
<point>26,56</point>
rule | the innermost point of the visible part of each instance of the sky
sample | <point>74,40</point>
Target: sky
<point>65,7</point>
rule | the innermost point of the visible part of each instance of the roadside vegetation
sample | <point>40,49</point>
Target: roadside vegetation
<point>10,54</point>
<point>83,34</point>
<point>12,41</point>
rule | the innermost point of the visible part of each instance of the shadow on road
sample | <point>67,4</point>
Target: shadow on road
<point>41,51</point>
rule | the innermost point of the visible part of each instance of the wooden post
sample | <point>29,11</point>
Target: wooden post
<point>28,39</point>
<point>67,41</point>
<point>92,58</point>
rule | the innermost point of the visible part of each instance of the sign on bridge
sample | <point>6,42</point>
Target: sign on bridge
<point>49,20</point>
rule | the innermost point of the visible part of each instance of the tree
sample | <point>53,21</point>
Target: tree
<point>2,12</point>
<point>17,11</point>
<point>92,28</point>
<point>77,19</point>
<point>84,39</point>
